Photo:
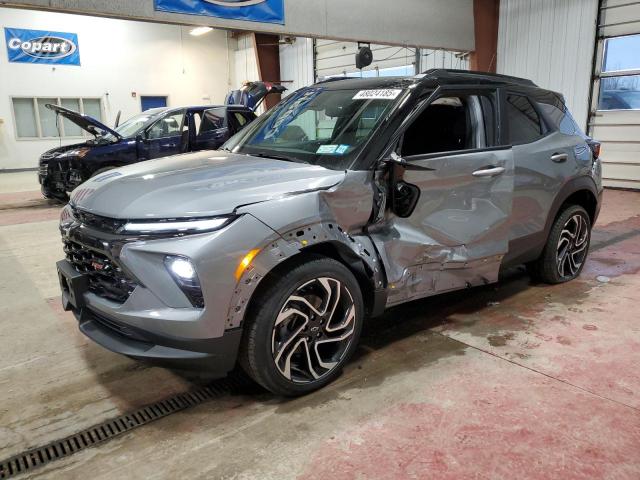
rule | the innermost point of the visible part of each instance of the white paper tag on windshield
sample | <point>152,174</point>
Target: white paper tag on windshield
<point>382,94</point>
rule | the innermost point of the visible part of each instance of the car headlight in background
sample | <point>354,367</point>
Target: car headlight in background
<point>184,274</point>
<point>197,225</point>
<point>66,216</point>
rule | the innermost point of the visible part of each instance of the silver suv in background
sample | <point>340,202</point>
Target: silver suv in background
<point>348,197</point>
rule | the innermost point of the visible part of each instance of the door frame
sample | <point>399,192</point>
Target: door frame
<point>451,90</point>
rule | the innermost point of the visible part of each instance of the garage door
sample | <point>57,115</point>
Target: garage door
<point>615,117</point>
<point>334,58</point>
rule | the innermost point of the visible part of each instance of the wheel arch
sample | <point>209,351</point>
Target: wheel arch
<point>356,253</point>
<point>579,191</point>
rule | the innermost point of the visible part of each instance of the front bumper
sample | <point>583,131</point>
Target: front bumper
<point>217,356</point>
<point>156,321</point>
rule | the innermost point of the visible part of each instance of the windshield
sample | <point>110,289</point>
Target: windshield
<point>134,125</point>
<point>317,126</point>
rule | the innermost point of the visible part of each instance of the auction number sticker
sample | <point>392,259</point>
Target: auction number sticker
<point>381,94</point>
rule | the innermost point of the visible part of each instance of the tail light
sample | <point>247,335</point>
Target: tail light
<point>595,148</point>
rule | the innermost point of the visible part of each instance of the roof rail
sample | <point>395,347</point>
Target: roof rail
<point>497,76</point>
<point>335,79</point>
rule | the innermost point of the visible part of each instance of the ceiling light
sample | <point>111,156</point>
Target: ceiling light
<point>196,32</point>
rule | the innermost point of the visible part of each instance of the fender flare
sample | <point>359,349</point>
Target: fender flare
<point>574,185</point>
<point>290,244</point>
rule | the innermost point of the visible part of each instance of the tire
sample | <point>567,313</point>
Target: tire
<point>565,253</point>
<point>293,347</point>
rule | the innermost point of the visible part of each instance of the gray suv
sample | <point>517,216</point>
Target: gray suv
<point>347,198</point>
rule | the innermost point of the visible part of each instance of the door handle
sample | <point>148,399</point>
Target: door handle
<point>489,172</point>
<point>559,157</point>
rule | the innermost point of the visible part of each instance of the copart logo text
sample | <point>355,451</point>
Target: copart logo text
<point>44,47</point>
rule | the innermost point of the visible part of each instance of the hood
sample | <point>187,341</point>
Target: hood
<point>89,124</point>
<point>197,185</point>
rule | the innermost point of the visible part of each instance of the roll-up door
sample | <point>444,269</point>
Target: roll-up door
<point>333,58</point>
<point>615,108</point>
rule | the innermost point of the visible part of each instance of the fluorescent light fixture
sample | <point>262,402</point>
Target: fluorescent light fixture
<point>196,32</point>
<point>178,227</point>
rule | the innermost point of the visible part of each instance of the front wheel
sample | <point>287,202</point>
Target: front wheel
<point>303,327</point>
<point>565,253</point>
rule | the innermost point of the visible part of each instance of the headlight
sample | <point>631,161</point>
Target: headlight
<point>82,152</point>
<point>196,225</point>
<point>184,274</point>
<point>66,216</point>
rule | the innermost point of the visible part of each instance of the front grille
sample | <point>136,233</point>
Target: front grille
<point>98,222</point>
<point>106,279</point>
<point>44,170</point>
<point>59,171</point>
<point>116,326</point>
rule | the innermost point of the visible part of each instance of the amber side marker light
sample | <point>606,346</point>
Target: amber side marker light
<point>245,262</point>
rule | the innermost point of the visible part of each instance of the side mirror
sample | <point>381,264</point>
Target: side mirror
<point>403,196</point>
<point>393,159</point>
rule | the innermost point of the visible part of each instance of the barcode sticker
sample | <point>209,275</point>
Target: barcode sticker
<point>385,94</point>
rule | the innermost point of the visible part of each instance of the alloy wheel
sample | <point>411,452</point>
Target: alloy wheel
<point>572,246</point>
<point>313,330</point>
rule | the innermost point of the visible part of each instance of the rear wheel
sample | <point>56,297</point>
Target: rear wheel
<point>565,253</point>
<point>303,327</point>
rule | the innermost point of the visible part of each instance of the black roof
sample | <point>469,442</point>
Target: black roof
<point>437,76</point>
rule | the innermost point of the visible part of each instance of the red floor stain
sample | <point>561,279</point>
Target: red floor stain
<point>13,198</point>
<point>497,424</point>
<point>31,216</point>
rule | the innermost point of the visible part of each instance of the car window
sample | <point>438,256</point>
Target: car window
<point>523,119</point>
<point>450,124</point>
<point>242,121</point>
<point>213,119</point>
<point>168,126</point>
<point>558,115</point>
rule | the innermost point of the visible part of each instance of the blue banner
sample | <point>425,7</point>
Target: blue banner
<point>267,11</point>
<point>40,46</point>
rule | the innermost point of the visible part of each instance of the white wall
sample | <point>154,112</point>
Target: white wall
<point>296,64</point>
<point>244,60</point>
<point>552,43</point>
<point>118,57</point>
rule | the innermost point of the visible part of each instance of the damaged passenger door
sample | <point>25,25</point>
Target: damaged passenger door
<point>450,198</point>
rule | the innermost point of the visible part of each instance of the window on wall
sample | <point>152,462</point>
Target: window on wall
<point>34,120</point>
<point>403,71</point>
<point>620,77</point>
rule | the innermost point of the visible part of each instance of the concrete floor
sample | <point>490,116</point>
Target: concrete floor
<point>510,381</point>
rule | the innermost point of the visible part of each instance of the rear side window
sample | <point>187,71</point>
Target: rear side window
<point>525,125</point>
<point>557,115</point>
<point>213,119</point>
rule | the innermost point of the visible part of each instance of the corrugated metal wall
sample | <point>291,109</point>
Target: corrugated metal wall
<point>618,130</point>
<point>552,43</point>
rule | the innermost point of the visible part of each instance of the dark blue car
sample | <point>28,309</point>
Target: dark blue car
<point>153,134</point>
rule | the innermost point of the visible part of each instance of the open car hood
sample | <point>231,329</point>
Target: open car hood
<point>89,124</point>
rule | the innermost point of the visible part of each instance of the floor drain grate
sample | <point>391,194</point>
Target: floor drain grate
<point>38,457</point>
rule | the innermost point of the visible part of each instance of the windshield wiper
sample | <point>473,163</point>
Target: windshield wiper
<point>276,157</point>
